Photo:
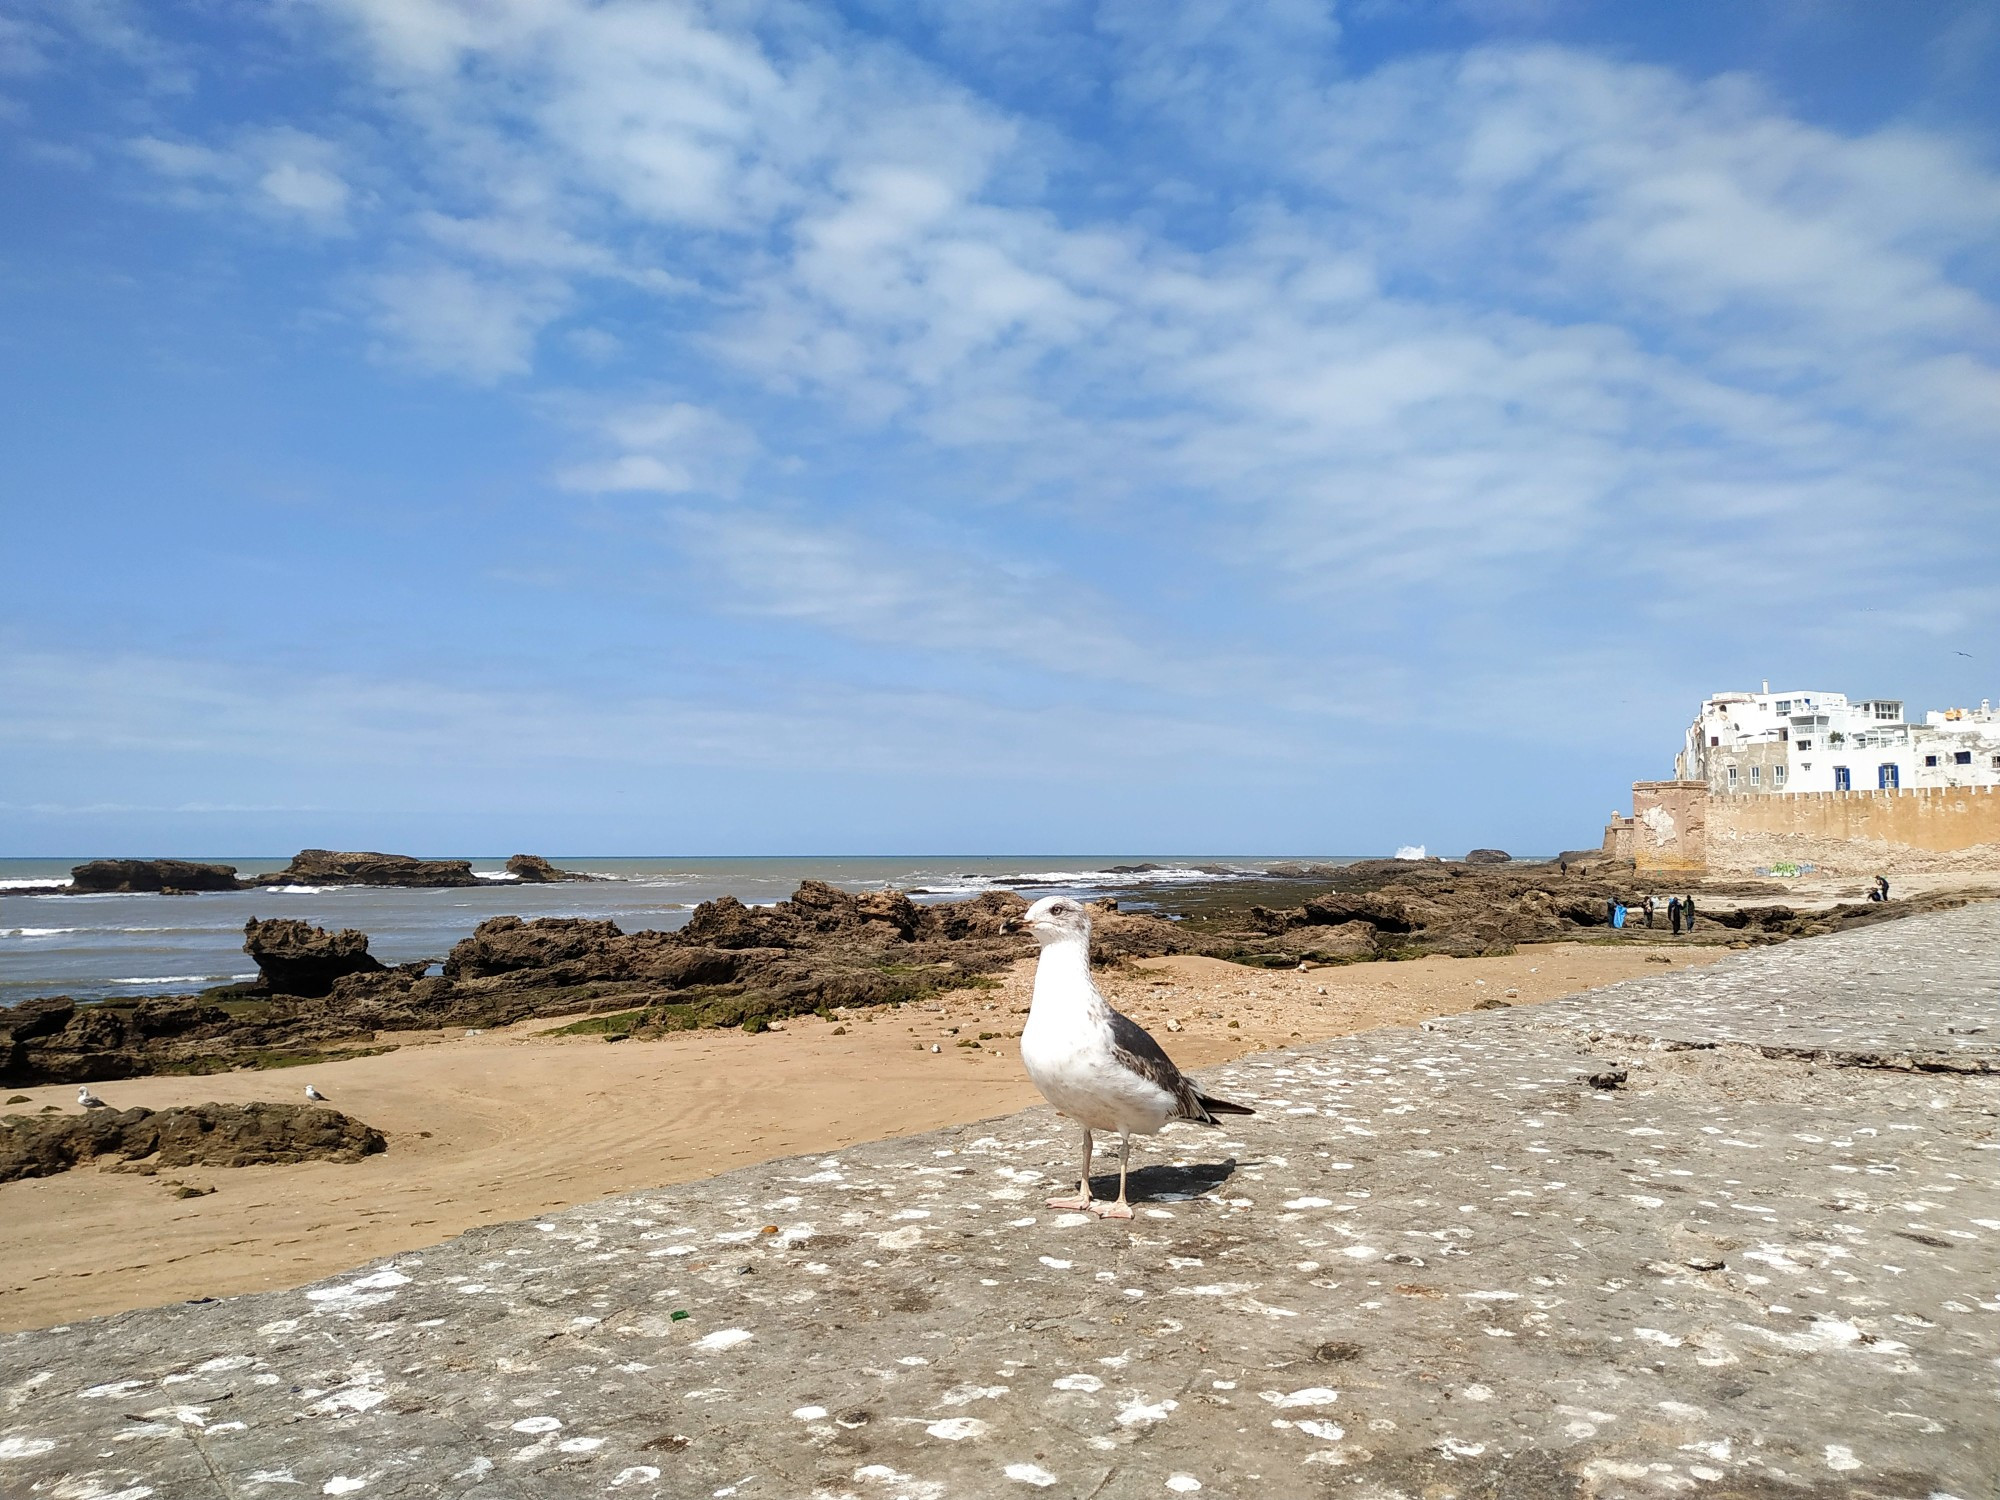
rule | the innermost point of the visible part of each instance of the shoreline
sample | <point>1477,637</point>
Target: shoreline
<point>497,1125</point>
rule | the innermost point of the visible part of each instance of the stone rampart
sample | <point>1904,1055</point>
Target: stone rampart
<point>1729,1231</point>
<point>1670,826</point>
<point>1682,827</point>
<point>1858,833</point>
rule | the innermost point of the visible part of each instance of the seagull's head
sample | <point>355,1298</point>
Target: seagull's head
<point>1056,919</point>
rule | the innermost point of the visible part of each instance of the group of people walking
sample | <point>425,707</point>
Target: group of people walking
<point>1680,912</point>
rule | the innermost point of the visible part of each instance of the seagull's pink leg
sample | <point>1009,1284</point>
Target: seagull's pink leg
<point>1121,1209</point>
<point>1082,1198</point>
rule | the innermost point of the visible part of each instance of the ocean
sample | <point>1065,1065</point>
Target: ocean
<point>96,947</point>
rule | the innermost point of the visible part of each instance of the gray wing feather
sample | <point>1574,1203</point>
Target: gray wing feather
<point>1135,1048</point>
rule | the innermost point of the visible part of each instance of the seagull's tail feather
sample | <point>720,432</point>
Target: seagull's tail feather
<point>1223,1107</point>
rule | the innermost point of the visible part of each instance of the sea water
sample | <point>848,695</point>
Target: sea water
<point>94,947</point>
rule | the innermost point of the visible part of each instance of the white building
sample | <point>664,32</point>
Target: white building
<point>1806,741</point>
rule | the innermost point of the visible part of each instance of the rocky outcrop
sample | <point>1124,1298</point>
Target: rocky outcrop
<point>211,1135</point>
<point>532,869</point>
<point>325,867</point>
<point>100,876</point>
<point>1489,857</point>
<point>296,958</point>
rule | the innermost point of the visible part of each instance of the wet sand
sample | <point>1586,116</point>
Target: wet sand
<point>500,1125</point>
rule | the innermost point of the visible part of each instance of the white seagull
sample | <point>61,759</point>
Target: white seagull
<point>1096,1066</point>
<point>315,1095</point>
<point>88,1100</point>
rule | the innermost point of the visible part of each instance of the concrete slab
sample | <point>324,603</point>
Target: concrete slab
<point>1436,1263</point>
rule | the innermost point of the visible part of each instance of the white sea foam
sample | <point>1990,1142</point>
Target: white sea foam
<point>1411,851</point>
<point>301,890</point>
<point>35,932</point>
<point>15,885</point>
<point>503,877</point>
<point>188,979</point>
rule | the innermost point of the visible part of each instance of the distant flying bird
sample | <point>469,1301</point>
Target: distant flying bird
<point>1096,1066</point>
<point>89,1100</point>
<point>315,1095</point>
<point>1967,655</point>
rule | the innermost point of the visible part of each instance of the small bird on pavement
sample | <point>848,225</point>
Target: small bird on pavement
<point>1098,1067</point>
<point>89,1100</point>
<point>315,1095</point>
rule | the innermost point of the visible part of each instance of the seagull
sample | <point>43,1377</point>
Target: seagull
<point>88,1100</point>
<point>1096,1066</point>
<point>315,1095</point>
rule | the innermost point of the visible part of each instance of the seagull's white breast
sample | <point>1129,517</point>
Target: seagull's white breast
<point>1066,1048</point>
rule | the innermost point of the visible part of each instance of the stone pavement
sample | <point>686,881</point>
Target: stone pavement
<point>1437,1263</point>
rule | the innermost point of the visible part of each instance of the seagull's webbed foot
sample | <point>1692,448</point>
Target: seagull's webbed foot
<point>1074,1201</point>
<point>1119,1210</point>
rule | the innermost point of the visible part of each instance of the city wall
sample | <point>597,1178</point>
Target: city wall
<point>1680,826</point>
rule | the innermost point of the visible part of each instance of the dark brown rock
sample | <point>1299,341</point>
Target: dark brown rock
<point>215,1135</point>
<point>505,945</point>
<point>1489,857</point>
<point>325,867</point>
<point>100,876</point>
<point>532,869</point>
<point>296,958</point>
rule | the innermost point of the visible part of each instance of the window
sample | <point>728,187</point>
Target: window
<point>1888,710</point>
<point>1732,778</point>
<point>1756,775</point>
<point>1930,760</point>
<point>1805,744</point>
<point>1962,758</point>
<point>1714,740</point>
<point>1778,775</point>
<point>1840,779</point>
<point>1887,777</point>
<point>1996,762</point>
<point>1784,705</point>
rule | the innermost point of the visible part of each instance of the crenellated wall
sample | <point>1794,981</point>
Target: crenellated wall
<point>1681,826</point>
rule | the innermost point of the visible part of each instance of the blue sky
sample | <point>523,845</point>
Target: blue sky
<point>941,425</point>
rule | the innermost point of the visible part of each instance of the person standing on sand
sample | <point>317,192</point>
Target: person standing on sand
<point>1649,908</point>
<point>1687,911</point>
<point>1674,914</point>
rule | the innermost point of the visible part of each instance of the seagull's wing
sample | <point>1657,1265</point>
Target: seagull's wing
<point>1133,1046</point>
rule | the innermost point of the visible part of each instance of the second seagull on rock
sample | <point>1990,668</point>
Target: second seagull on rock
<point>1098,1067</point>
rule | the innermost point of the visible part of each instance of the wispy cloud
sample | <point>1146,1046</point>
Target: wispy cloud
<point>1093,364</point>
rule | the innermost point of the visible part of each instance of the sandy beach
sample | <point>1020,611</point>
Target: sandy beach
<point>494,1126</point>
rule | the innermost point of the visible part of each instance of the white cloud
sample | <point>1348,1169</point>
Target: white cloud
<point>1444,339</point>
<point>672,447</point>
<point>453,321</point>
<point>280,172</point>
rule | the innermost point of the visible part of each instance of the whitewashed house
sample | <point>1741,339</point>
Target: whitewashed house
<point>1812,741</point>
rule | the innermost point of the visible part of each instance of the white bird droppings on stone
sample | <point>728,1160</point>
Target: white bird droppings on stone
<point>1312,1395</point>
<point>1184,1484</point>
<point>538,1424</point>
<point>341,1484</point>
<point>1033,1474</point>
<point>1079,1383</point>
<point>1841,1459</point>
<point>810,1413</point>
<point>958,1429</point>
<point>1139,1413</point>
<point>724,1338</point>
